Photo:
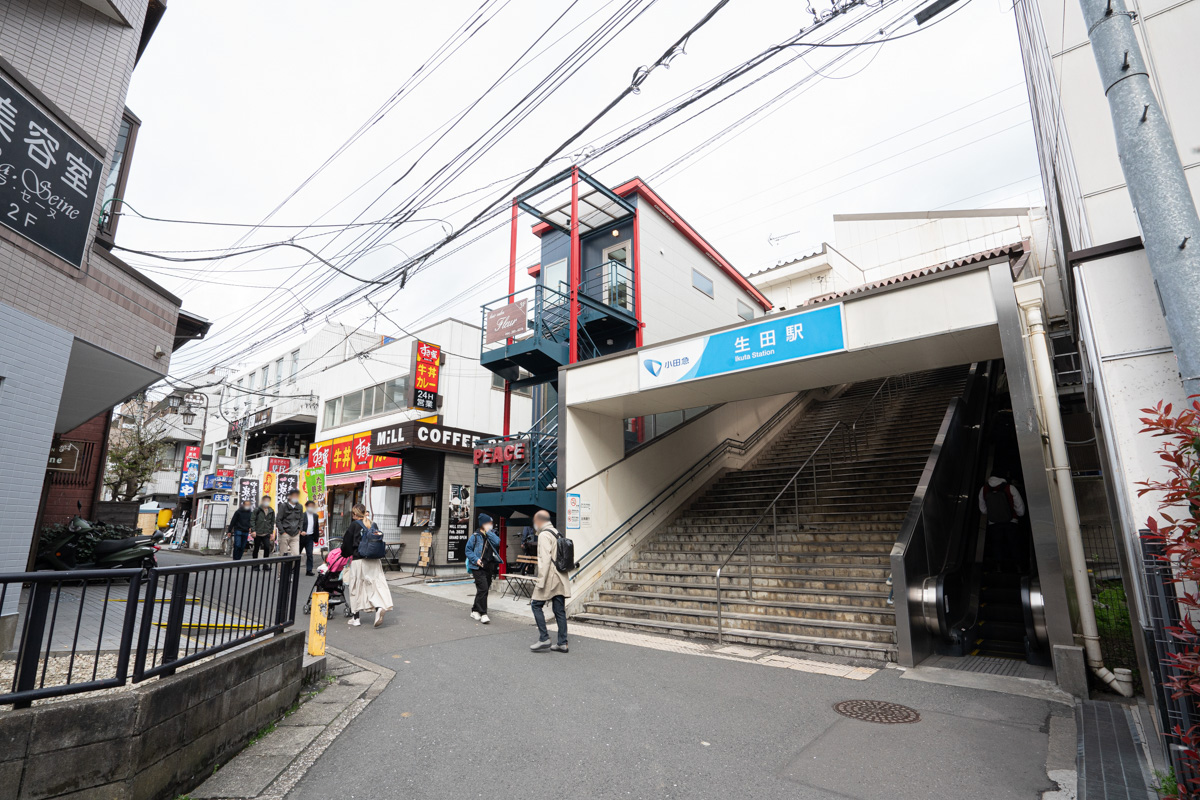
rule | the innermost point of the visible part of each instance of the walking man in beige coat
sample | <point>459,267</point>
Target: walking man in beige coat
<point>550,585</point>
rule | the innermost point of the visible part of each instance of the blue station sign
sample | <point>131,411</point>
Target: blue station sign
<point>776,339</point>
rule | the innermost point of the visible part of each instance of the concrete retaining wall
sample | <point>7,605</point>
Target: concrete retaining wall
<point>154,741</point>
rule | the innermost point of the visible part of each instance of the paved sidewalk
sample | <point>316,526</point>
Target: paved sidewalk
<point>273,764</point>
<point>476,714</point>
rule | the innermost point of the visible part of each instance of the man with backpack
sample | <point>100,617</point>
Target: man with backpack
<point>1003,507</point>
<point>556,555</point>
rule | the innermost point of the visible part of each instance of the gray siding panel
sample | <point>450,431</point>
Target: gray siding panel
<point>670,306</point>
<point>33,366</point>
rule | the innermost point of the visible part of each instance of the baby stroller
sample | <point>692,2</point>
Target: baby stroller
<point>329,579</point>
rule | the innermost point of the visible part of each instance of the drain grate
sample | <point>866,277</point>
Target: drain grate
<point>877,711</point>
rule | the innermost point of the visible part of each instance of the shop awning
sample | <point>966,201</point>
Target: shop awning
<point>359,477</point>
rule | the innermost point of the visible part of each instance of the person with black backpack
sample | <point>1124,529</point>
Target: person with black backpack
<point>1003,507</point>
<point>556,555</point>
<point>483,564</point>
<point>366,585</point>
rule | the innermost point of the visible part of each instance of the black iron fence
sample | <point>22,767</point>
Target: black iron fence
<point>1163,612</point>
<point>99,629</point>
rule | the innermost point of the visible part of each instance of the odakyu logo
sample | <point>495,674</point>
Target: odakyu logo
<point>653,367</point>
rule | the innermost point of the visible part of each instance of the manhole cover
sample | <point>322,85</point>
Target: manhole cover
<point>877,711</point>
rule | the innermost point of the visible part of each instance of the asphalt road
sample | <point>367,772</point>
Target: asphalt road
<point>472,713</point>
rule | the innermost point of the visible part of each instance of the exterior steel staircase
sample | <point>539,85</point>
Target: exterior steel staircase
<point>820,563</point>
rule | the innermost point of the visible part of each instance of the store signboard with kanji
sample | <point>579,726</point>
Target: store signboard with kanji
<point>348,454</point>
<point>278,464</point>
<point>191,471</point>
<point>341,456</point>
<point>48,181</point>
<point>426,376</point>
<point>777,339</point>
<point>248,491</point>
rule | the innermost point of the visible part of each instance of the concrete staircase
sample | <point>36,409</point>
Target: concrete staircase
<point>826,590</point>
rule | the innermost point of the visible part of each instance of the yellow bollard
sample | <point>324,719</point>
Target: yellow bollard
<point>317,623</point>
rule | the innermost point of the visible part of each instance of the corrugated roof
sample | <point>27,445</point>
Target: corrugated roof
<point>1010,250</point>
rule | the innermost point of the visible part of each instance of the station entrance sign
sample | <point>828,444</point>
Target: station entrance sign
<point>776,339</point>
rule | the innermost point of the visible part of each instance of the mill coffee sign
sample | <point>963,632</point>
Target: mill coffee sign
<point>422,435</point>
<point>48,181</point>
<point>505,322</point>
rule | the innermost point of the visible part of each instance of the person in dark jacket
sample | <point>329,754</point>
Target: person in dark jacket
<point>239,528</point>
<point>263,529</point>
<point>310,532</point>
<point>290,523</point>
<point>482,560</point>
<point>529,547</point>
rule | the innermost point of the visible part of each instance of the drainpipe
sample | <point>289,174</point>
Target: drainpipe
<point>1047,393</point>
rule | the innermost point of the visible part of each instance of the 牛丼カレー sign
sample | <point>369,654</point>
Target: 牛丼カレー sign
<point>48,181</point>
<point>422,435</point>
<point>775,340</point>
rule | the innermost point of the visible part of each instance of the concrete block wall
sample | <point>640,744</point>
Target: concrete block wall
<point>155,741</point>
<point>33,366</point>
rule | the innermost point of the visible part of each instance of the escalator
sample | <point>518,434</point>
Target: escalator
<point>978,587</point>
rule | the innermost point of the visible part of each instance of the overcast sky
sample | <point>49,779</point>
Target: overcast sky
<point>240,102</point>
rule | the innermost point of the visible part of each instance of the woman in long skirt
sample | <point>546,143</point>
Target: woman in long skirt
<point>366,584</point>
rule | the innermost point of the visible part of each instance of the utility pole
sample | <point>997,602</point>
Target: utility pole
<point>1154,175</point>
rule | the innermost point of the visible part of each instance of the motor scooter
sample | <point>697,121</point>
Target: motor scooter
<point>130,553</point>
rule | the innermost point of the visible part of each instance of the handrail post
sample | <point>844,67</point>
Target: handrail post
<point>30,653</point>
<point>718,605</point>
<point>175,610</point>
<point>775,525</point>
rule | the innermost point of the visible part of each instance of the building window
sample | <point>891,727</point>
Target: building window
<point>554,276</point>
<point>266,381</point>
<point>702,283</point>
<point>498,383</point>
<point>118,172</point>
<point>278,374</point>
<point>332,409</point>
<point>745,311</point>
<point>382,398</point>
<point>295,366</point>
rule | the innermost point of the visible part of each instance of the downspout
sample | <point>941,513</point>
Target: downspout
<point>1047,394</point>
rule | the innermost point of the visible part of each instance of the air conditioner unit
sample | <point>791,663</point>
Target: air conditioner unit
<point>241,471</point>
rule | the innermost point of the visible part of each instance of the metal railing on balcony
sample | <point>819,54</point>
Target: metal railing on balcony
<point>85,630</point>
<point>539,469</point>
<point>611,283</point>
<point>547,316</point>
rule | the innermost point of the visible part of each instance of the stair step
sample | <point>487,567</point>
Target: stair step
<point>764,623</point>
<point>803,611</point>
<point>875,651</point>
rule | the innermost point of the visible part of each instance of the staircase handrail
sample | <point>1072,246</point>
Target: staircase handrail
<point>725,446</point>
<point>763,515</point>
<point>850,440</point>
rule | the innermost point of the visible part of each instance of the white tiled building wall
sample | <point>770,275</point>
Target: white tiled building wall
<point>33,365</point>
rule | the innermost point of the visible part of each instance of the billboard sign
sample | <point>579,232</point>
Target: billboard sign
<point>48,181</point>
<point>777,339</point>
<point>505,322</point>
